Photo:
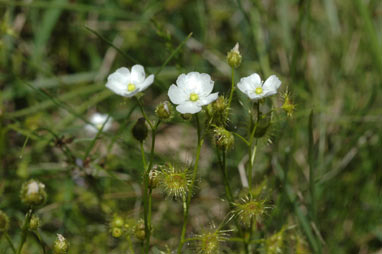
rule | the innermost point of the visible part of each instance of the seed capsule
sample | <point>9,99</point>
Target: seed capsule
<point>140,130</point>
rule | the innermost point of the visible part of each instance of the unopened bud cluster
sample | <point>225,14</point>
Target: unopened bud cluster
<point>139,230</point>
<point>120,226</point>
<point>116,226</point>
<point>33,193</point>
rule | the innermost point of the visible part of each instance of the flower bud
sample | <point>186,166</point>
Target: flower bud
<point>234,57</point>
<point>218,112</point>
<point>223,138</point>
<point>140,130</point>
<point>288,106</point>
<point>139,230</point>
<point>165,111</point>
<point>275,243</point>
<point>34,223</point>
<point>33,193</point>
<point>174,181</point>
<point>61,245</point>
<point>116,232</point>
<point>4,222</point>
<point>117,221</point>
<point>210,240</point>
<point>249,208</point>
<point>153,177</point>
<point>186,116</point>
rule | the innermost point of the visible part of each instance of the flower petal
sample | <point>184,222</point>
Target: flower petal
<point>206,84</point>
<point>137,74</point>
<point>123,71</point>
<point>121,75</point>
<point>271,84</point>
<point>208,99</point>
<point>131,94</point>
<point>176,95</point>
<point>248,84</point>
<point>181,81</point>
<point>267,93</point>
<point>254,96</point>
<point>188,108</point>
<point>255,79</point>
<point>118,80</point>
<point>244,85</point>
<point>148,81</point>
<point>190,83</point>
<point>117,87</point>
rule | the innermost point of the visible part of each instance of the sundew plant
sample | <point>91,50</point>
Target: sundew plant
<point>207,127</point>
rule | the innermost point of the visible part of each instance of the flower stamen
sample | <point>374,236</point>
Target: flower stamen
<point>194,97</point>
<point>259,90</point>
<point>130,87</point>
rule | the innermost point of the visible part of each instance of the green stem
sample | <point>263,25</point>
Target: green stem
<point>189,195</point>
<point>225,175</point>
<point>25,230</point>
<point>130,243</point>
<point>10,242</point>
<point>145,216</point>
<point>252,153</point>
<point>148,191</point>
<point>144,114</point>
<point>250,167</point>
<point>39,240</point>
<point>232,87</point>
<point>228,193</point>
<point>241,137</point>
<point>143,156</point>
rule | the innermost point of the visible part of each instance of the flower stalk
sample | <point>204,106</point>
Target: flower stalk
<point>9,240</point>
<point>232,87</point>
<point>25,230</point>
<point>147,193</point>
<point>186,205</point>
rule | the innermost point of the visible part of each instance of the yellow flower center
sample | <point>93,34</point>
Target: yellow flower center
<point>130,87</point>
<point>259,90</point>
<point>194,97</point>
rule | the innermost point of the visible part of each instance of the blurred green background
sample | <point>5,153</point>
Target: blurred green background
<point>53,68</point>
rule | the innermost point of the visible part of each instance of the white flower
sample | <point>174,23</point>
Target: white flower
<point>128,83</point>
<point>97,121</point>
<point>193,91</point>
<point>256,89</point>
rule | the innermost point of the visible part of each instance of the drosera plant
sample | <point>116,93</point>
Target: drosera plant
<point>194,98</point>
<point>312,166</point>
